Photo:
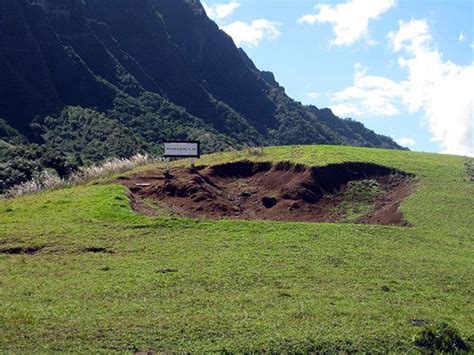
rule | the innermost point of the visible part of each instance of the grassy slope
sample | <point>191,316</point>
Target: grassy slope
<point>238,285</point>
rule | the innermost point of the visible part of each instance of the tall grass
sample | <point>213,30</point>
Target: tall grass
<point>46,180</point>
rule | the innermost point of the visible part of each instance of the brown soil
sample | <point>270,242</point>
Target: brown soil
<point>265,191</point>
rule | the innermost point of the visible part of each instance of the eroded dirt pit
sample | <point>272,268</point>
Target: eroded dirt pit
<point>349,192</point>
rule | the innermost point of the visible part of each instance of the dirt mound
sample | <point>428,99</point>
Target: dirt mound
<point>349,192</point>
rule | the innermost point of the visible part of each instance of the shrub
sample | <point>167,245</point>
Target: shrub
<point>255,151</point>
<point>43,180</point>
<point>16,171</point>
<point>440,338</point>
<point>469,164</point>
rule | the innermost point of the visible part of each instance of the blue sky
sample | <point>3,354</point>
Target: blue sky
<point>404,68</point>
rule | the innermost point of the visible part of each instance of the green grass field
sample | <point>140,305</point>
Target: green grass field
<point>173,284</point>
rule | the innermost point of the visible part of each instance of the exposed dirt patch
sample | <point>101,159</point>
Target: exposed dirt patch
<point>166,271</point>
<point>97,250</point>
<point>30,250</point>
<point>282,191</point>
<point>387,205</point>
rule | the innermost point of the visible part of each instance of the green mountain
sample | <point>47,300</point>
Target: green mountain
<point>153,70</point>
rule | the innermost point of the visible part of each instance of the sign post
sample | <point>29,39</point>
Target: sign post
<point>181,149</point>
<point>168,167</point>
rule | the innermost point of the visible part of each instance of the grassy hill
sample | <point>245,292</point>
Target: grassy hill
<point>79,271</point>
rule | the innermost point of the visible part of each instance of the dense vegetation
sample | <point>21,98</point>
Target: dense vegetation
<point>82,273</point>
<point>21,161</point>
<point>69,140</point>
<point>163,71</point>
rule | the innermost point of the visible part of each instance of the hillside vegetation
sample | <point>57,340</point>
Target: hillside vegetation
<point>80,271</point>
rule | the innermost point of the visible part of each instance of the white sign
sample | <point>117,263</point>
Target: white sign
<point>182,150</point>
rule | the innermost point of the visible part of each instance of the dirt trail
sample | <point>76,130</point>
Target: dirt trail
<point>282,191</point>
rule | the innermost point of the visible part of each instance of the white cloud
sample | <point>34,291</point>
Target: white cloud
<point>461,37</point>
<point>440,89</point>
<point>350,19</point>
<point>411,35</point>
<point>376,95</point>
<point>252,34</point>
<point>345,110</point>
<point>313,94</point>
<point>406,142</point>
<point>372,42</point>
<point>220,11</point>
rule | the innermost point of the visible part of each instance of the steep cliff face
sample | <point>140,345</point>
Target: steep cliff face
<point>26,87</point>
<point>161,68</point>
<point>43,73</point>
<point>212,55</point>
